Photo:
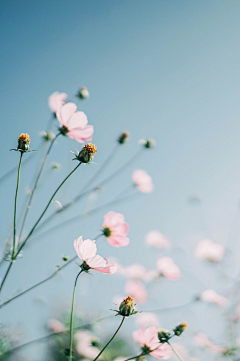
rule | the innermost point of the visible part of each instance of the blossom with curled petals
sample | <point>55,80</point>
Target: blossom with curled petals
<point>143,181</point>
<point>56,100</point>
<point>115,229</point>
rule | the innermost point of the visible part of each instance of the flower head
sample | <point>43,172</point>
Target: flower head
<point>126,308</point>
<point>163,335</point>
<point>87,252</point>
<point>168,268</point>
<point>148,143</point>
<point>74,123</point>
<point>123,138</point>
<point>213,297</point>
<point>115,229</point>
<point>56,100</point>
<point>86,153</point>
<point>180,328</point>
<point>137,290</point>
<point>209,251</point>
<point>47,136</point>
<point>23,142</point>
<point>143,181</point>
<point>83,93</point>
<point>157,239</point>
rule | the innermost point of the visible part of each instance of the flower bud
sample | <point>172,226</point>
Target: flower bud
<point>179,329</point>
<point>107,232</point>
<point>86,153</point>
<point>126,307</point>
<point>65,258</point>
<point>123,138</point>
<point>148,143</point>
<point>163,335</point>
<point>23,142</point>
<point>83,93</point>
<point>50,135</point>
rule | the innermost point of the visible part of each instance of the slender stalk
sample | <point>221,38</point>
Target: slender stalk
<point>6,274</point>
<point>135,357</point>
<point>175,351</point>
<point>35,185</point>
<point>110,339</point>
<point>71,319</point>
<point>15,206</point>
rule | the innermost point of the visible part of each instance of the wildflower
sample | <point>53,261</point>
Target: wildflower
<point>56,100</point>
<point>137,290</point>
<point>138,272</point>
<point>123,138</point>
<point>115,229</point>
<point>83,93</point>
<point>56,326</point>
<point>126,308</point>
<point>203,340</point>
<point>179,329</point>
<point>86,344</point>
<point>168,268</point>
<point>87,252</point>
<point>86,153</point>
<point>148,143</point>
<point>143,181</point>
<point>209,251</point>
<point>163,335</point>
<point>74,123</point>
<point>148,340</point>
<point>157,239</point>
<point>50,135</point>
<point>212,297</point>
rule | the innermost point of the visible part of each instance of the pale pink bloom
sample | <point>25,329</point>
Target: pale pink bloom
<point>157,239</point>
<point>75,123</point>
<point>83,340</point>
<point>136,290</point>
<point>202,340</point>
<point>209,251</point>
<point>147,318</point>
<point>168,268</point>
<point>138,272</point>
<point>143,181</point>
<point>115,229</point>
<point>87,252</point>
<point>148,337</point>
<point>56,100</point>
<point>212,297</point>
<point>55,326</point>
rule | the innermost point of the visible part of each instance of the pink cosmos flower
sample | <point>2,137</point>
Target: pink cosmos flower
<point>136,290</point>
<point>148,340</point>
<point>147,318</point>
<point>55,326</point>
<point>209,251</point>
<point>84,340</point>
<point>212,297</point>
<point>202,340</point>
<point>157,239</point>
<point>138,272</point>
<point>168,268</point>
<point>115,229</point>
<point>74,123</point>
<point>56,100</point>
<point>143,181</point>
<point>87,252</point>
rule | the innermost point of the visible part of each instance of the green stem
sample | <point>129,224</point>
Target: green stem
<point>5,276</point>
<point>15,206</point>
<point>71,319</point>
<point>35,185</point>
<point>110,339</point>
<point>175,351</point>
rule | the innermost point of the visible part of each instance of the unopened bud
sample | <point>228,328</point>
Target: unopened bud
<point>148,143</point>
<point>50,135</point>
<point>179,329</point>
<point>163,335</point>
<point>126,307</point>
<point>123,138</point>
<point>86,153</point>
<point>83,93</point>
<point>65,258</point>
<point>23,142</point>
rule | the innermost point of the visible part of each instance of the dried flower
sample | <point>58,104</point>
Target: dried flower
<point>179,329</point>
<point>123,138</point>
<point>86,153</point>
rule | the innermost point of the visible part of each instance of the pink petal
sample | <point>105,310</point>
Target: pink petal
<point>96,262</point>
<point>77,120</point>
<point>82,135</point>
<point>65,113</point>
<point>77,245</point>
<point>88,249</point>
<point>118,241</point>
<point>110,268</point>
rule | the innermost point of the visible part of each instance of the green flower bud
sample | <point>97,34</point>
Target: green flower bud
<point>23,142</point>
<point>163,335</point>
<point>179,329</point>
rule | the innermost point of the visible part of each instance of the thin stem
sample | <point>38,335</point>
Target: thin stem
<point>71,319</point>
<point>5,276</point>
<point>15,206</point>
<point>110,339</point>
<point>135,357</point>
<point>175,351</point>
<point>36,183</point>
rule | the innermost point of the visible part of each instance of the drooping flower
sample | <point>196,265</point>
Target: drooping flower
<point>56,326</point>
<point>149,342</point>
<point>143,181</point>
<point>115,229</point>
<point>137,290</point>
<point>212,297</point>
<point>56,100</point>
<point>157,239</point>
<point>209,251</point>
<point>168,268</point>
<point>74,123</point>
<point>87,252</point>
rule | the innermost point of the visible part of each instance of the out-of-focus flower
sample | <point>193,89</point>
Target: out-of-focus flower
<point>87,252</point>
<point>50,135</point>
<point>147,143</point>
<point>86,344</point>
<point>74,123</point>
<point>157,239</point>
<point>143,181</point>
<point>55,326</point>
<point>212,297</point>
<point>148,340</point>
<point>86,153</point>
<point>203,340</point>
<point>168,268</point>
<point>123,138</point>
<point>138,272</point>
<point>56,100</point>
<point>180,328</point>
<point>147,318</point>
<point>209,251</point>
<point>83,93</point>
<point>137,290</point>
<point>56,167</point>
<point>115,229</point>
<point>65,258</point>
<point>163,335</point>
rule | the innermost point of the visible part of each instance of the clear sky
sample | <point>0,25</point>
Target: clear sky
<point>162,69</point>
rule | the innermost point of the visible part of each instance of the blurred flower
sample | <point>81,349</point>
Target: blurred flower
<point>148,340</point>
<point>202,340</point>
<point>143,181</point>
<point>147,318</point>
<point>138,272</point>
<point>236,317</point>
<point>56,167</point>
<point>83,93</point>
<point>137,290</point>
<point>209,251</point>
<point>55,326</point>
<point>157,239</point>
<point>87,252</point>
<point>74,123</point>
<point>50,135</point>
<point>56,100</point>
<point>86,344</point>
<point>163,335</point>
<point>168,268</point>
<point>115,229</point>
<point>212,297</point>
<point>123,138</point>
<point>147,143</point>
<point>180,328</point>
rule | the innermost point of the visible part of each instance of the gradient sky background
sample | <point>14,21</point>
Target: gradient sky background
<point>162,69</point>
